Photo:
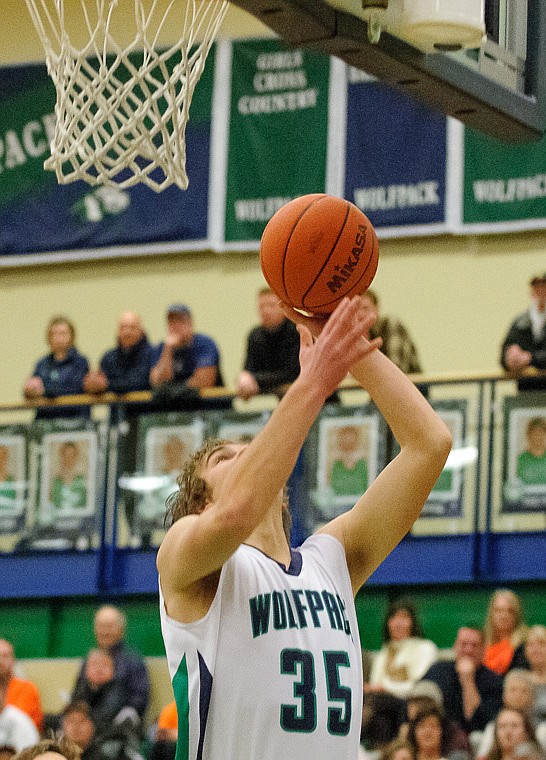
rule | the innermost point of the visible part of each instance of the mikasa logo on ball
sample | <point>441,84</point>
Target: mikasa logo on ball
<point>342,273</point>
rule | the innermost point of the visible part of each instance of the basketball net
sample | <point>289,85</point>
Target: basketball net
<point>121,112</point>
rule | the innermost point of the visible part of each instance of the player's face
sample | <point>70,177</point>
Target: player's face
<point>271,314</point>
<point>510,730</point>
<point>219,462</point>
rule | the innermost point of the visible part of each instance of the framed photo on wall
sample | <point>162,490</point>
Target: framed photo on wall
<point>524,460</point>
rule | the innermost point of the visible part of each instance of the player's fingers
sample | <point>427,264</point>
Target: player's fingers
<point>306,339</point>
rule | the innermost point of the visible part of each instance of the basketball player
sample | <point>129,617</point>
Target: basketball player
<point>262,641</point>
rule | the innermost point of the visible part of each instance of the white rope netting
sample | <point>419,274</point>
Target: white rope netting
<point>121,111</point>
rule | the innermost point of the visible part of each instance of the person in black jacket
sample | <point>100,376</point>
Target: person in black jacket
<point>525,343</point>
<point>272,353</point>
<point>472,693</point>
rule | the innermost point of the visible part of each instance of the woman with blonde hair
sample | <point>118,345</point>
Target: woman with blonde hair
<point>504,632</point>
<point>535,652</point>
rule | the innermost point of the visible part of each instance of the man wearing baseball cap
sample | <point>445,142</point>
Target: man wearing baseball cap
<point>186,357</point>
<point>525,342</point>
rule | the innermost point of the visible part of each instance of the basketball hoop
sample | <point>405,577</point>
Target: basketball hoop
<point>121,111</point>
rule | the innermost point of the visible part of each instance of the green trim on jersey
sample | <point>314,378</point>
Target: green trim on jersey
<point>181,695</point>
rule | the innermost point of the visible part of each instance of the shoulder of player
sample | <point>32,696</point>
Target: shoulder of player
<point>170,542</point>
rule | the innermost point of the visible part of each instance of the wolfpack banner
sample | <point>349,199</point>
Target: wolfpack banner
<point>37,215</point>
<point>504,183</point>
<point>395,157</point>
<point>278,132</point>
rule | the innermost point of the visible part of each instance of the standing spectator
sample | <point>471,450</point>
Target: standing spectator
<point>472,692</point>
<point>397,343</point>
<point>186,357</point>
<point>504,632</point>
<point>19,692</point>
<point>272,352</point>
<point>525,343</point>
<point>126,367</point>
<point>16,728</point>
<point>405,655</point>
<point>59,373</point>
<point>130,669</point>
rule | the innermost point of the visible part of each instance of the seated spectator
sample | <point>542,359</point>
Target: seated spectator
<point>427,694</point>
<point>166,734</point>
<point>45,748</point>
<point>428,734</point>
<point>399,749</point>
<point>272,352</point>
<point>19,692</point>
<point>535,654</point>
<point>518,694</point>
<point>397,343</point>
<point>186,357</point>
<point>504,632</point>
<point>16,728</point>
<point>525,343</point>
<point>382,717</point>
<point>126,367</point>
<point>472,692</point>
<point>79,727</point>
<point>130,669</point>
<point>59,373</point>
<point>104,694</point>
<point>514,738</point>
<point>405,655</point>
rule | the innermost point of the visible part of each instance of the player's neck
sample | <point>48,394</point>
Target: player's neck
<point>269,537</point>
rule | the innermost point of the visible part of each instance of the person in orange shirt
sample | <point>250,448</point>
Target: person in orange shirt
<point>504,632</point>
<point>20,693</point>
<point>167,723</point>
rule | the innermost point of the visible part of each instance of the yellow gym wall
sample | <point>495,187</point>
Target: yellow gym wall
<point>456,294</point>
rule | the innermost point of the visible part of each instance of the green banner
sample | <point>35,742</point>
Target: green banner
<point>278,132</point>
<point>503,182</point>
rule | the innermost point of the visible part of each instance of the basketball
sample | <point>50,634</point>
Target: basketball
<point>316,250</point>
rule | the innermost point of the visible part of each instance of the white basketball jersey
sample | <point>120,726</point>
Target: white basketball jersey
<point>274,669</point>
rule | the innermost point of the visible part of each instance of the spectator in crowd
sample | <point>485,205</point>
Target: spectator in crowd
<point>525,343</point>
<point>405,655</point>
<point>427,694</point>
<point>130,669</point>
<point>518,694</point>
<point>272,352</point>
<point>16,728</point>
<point>105,695</point>
<point>535,655</point>
<point>126,367</point>
<point>531,463</point>
<point>514,737</point>
<point>397,343</point>
<point>78,726</point>
<point>45,748</point>
<point>399,749</point>
<point>7,751</point>
<point>166,734</point>
<point>19,692</point>
<point>186,357</point>
<point>59,373</point>
<point>472,692</point>
<point>504,632</point>
<point>428,734</point>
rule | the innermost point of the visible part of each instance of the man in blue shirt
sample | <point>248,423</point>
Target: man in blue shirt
<point>186,357</point>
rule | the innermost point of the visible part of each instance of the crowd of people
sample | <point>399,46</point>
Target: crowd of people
<point>485,699</point>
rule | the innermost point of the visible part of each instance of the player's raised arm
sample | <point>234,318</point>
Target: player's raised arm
<point>392,503</point>
<point>243,483</point>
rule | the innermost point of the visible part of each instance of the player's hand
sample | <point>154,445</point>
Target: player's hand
<point>339,344</point>
<point>315,324</point>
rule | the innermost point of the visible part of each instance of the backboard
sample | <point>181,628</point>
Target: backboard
<point>499,89</point>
